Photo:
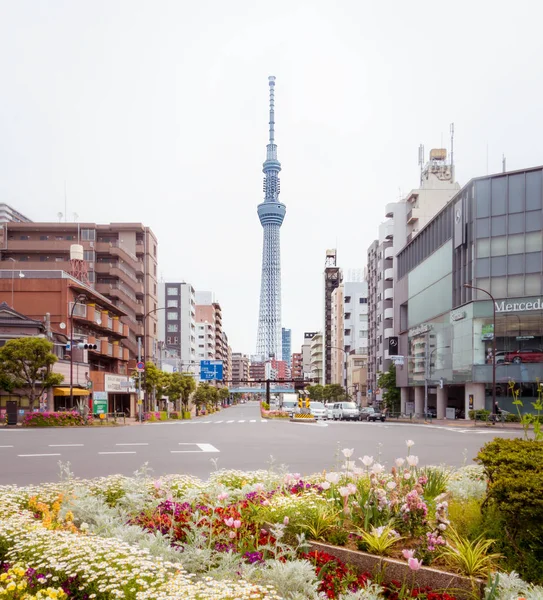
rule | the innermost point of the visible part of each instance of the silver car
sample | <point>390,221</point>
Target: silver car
<point>318,410</point>
<point>345,411</point>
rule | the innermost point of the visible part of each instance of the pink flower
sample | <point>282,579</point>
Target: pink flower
<point>285,521</point>
<point>237,523</point>
<point>407,554</point>
<point>222,496</point>
<point>232,535</point>
<point>414,564</point>
<point>229,522</point>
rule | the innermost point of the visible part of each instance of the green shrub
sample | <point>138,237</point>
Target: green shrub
<point>514,468</point>
<point>163,415</point>
<point>481,415</point>
<point>265,406</point>
<point>186,414</point>
<point>512,418</point>
<point>174,415</point>
<point>467,517</point>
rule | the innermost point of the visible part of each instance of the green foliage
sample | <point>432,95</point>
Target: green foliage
<point>206,396</point>
<point>437,477</point>
<point>470,558</point>
<point>265,406</point>
<point>337,536</point>
<point>223,393</point>
<point>515,500</point>
<point>316,392</point>
<point>379,540</point>
<point>182,385</point>
<point>333,392</point>
<point>467,516</point>
<point>479,415</point>
<point>527,419</point>
<point>391,393</point>
<point>316,524</point>
<point>27,363</point>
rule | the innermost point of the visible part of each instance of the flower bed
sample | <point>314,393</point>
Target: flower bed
<point>244,535</point>
<point>56,419</point>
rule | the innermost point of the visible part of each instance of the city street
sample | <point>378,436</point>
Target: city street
<point>235,438</point>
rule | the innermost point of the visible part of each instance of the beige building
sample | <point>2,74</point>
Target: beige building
<point>119,260</point>
<point>240,367</point>
<point>317,358</point>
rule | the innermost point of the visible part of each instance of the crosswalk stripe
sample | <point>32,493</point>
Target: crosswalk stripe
<point>230,421</point>
<point>243,421</point>
<point>218,421</point>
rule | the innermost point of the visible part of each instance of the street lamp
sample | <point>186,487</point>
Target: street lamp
<point>145,327</point>
<point>81,297</point>
<point>466,285</point>
<point>12,281</point>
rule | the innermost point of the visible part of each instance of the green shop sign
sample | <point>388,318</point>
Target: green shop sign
<point>99,403</point>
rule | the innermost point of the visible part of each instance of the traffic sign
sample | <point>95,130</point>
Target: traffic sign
<point>211,370</point>
<point>99,403</point>
<point>140,367</point>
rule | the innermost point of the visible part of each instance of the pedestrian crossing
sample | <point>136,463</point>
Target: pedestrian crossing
<point>221,421</point>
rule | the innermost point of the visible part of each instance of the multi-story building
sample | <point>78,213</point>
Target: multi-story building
<point>7,214</point>
<point>205,340</point>
<point>258,370</point>
<point>118,260</point>
<point>286,337</point>
<point>77,311</point>
<point>404,219</point>
<point>357,378</point>
<point>349,327</point>
<point>280,369</point>
<point>332,279</point>
<point>240,367</point>
<point>297,369</point>
<point>306,354</point>
<point>227,360</point>
<point>472,279</point>
<point>317,358</point>
<point>177,324</point>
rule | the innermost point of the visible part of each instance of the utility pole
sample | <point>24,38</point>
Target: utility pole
<point>426,374</point>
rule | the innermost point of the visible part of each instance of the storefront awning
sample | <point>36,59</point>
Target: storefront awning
<point>65,391</point>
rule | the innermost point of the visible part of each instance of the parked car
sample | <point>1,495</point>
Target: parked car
<point>329,410</point>
<point>526,355</point>
<point>345,411</point>
<point>371,414</point>
<point>290,407</point>
<point>318,410</point>
<point>432,412</point>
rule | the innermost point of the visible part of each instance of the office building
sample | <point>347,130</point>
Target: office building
<point>118,260</point>
<point>489,236</point>
<point>286,336</point>
<point>404,220</point>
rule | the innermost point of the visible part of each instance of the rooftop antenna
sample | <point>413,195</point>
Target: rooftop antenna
<point>59,215</point>
<point>487,159</point>
<point>65,203</point>
<point>421,161</point>
<point>503,163</point>
<point>452,151</point>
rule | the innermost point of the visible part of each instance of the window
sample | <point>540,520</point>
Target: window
<point>362,300</point>
<point>347,315</point>
<point>347,332</point>
<point>347,299</point>
<point>154,249</point>
<point>44,237</point>
<point>154,270</point>
<point>89,255</point>
<point>172,291</point>
<point>175,340</point>
<point>88,234</point>
<point>154,288</point>
<point>533,190</point>
<point>172,315</point>
<point>172,304</point>
<point>70,238</point>
<point>168,340</point>
<point>25,237</point>
<point>172,328</point>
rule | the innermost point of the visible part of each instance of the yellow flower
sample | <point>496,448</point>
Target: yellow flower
<point>10,586</point>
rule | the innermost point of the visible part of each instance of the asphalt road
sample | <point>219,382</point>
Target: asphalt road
<point>235,438</point>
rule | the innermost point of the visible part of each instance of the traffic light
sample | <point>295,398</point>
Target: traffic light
<point>84,346</point>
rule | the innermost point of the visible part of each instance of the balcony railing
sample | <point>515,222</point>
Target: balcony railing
<point>80,310</point>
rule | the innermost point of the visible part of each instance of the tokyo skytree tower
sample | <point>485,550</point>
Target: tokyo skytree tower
<point>271,214</point>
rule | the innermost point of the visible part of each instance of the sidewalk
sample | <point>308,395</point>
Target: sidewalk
<point>463,423</point>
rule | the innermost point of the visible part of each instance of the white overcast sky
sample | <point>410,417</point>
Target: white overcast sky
<point>156,112</point>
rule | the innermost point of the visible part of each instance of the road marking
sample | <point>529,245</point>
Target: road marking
<point>230,421</point>
<point>263,420</point>
<point>123,452</point>
<point>64,445</point>
<point>26,455</point>
<point>252,421</point>
<point>218,421</point>
<point>132,444</point>
<point>206,421</point>
<point>6,446</point>
<point>202,448</point>
<point>241,421</point>
<point>207,448</point>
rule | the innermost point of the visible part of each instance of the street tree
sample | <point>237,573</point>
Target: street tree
<point>316,392</point>
<point>334,392</point>
<point>27,364</point>
<point>390,391</point>
<point>182,385</point>
<point>223,394</point>
<point>202,396</point>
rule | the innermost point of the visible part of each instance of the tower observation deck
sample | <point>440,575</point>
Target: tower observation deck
<point>271,213</point>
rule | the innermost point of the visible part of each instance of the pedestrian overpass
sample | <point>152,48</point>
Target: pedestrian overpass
<point>261,390</point>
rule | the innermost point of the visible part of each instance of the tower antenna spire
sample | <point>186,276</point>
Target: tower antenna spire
<point>271,82</point>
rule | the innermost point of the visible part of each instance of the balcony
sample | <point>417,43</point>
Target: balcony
<point>413,215</point>
<point>389,313</point>
<point>114,249</point>
<point>389,294</point>
<point>389,274</point>
<point>123,294</point>
<point>389,252</point>
<point>389,209</point>
<point>140,247</point>
<point>388,333</point>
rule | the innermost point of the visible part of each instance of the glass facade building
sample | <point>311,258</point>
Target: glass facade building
<point>489,236</point>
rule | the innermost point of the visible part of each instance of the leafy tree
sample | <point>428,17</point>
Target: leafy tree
<point>201,396</point>
<point>213,395</point>
<point>163,384</point>
<point>391,393</point>
<point>316,392</point>
<point>333,392</point>
<point>150,378</point>
<point>182,385</point>
<point>27,363</point>
<point>223,394</point>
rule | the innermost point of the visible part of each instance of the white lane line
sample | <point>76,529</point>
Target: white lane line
<point>218,421</point>
<point>263,420</point>
<point>6,446</point>
<point>202,448</point>
<point>64,445</point>
<point>252,421</point>
<point>133,444</point>
<point>207,448</point>
<point>123,452</point>
<point>242,421</point>
<point>230,421</point>
<point>27,455</point>
<point>206,421</point>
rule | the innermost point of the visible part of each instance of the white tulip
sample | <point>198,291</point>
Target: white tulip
<point>412,461</point>
<point>400,462</point>
<point>409,443</point>
<point>367,461</point>
<point>347,452</point>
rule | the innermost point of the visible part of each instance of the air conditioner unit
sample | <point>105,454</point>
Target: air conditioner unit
<point>91,244</point>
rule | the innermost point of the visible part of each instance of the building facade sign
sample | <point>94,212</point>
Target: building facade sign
<point>505,306</point>
<point>118,383</point>
<point>420,330</point>
<point>458,315</point>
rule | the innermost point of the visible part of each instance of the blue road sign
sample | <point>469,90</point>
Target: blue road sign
<point>210,370</point>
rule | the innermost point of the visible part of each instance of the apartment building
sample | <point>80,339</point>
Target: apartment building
<point>75,310</point>
<point>332,280</point>
<point>297,369</point>
<point>403,221</point>
<point>118,260</point>
<point>240,367</point>
<point>227,360</point>
<point>177,324</point>
<point>7,214</point>
<point>317,358</point>
<point>306,354</point>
